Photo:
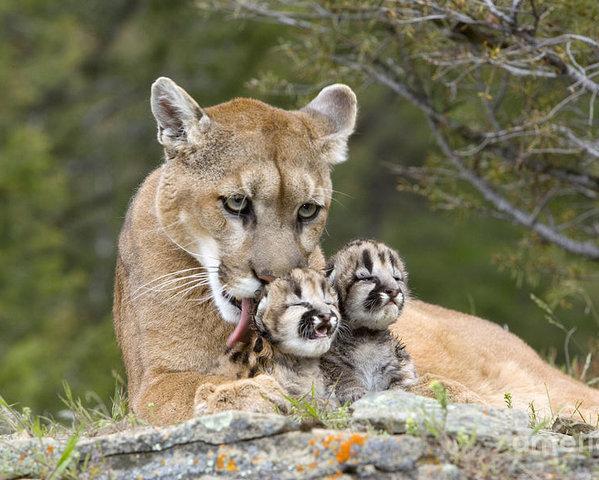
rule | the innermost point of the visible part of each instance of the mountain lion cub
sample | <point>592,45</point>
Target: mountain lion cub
<point>370,280</point>
<point>295,323</point>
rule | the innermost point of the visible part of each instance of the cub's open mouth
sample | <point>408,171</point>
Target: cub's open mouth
<point>323,331</point>
<point>246,305</point>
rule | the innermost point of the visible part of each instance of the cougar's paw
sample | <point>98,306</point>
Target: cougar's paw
<point>457,392</point>
<point>259,394</point>
<point>200,401</point>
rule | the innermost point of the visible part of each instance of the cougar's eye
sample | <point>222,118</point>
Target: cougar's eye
<point>308,211</point>
<point>237,204</point>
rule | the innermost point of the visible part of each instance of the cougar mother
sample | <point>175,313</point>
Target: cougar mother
<point>241,198</point>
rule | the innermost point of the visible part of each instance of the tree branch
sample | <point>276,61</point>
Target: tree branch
<point>588,249</point>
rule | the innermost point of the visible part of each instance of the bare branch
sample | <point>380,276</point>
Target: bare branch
<point>589,249</point>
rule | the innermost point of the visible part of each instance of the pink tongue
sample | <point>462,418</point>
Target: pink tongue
<point>242,327</point>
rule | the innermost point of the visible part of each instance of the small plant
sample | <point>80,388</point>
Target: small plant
<point>466,440</point>
<point>308,408</point>
<point>13,420</point>
<point>535,421</point>
<point>440,393</point>
<point>89,419</point>
<point>507,397</point>
<point>412,427</point>
<point>68,458</point>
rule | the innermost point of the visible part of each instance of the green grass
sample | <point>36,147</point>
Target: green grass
<point>88,416</point>
<point>308,409</point>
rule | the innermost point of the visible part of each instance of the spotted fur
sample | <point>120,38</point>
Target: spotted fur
<point>371,282</point>
<point>295,323</point>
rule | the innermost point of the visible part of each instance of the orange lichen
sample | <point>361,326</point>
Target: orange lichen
<point>326,441</point>
<point>231,465</point>
<point>334,476</point>
<point>312,442</point>
<point>312,465</point>
<point>50,449</point>
<point>299,468</point>
<point>220,461</point>
<point>22,457</point>
<point>344,452</point>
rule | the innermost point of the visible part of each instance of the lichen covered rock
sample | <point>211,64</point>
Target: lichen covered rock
<point>391,435</point>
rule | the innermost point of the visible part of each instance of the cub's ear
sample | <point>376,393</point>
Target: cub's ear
<point>178,115</point>
<point>258,316</point>
<point>329,272</point>
<point>335,108</point>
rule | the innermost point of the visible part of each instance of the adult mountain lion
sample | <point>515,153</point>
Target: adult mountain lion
<point>241,198</point>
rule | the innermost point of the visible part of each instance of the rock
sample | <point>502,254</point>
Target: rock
<point>392,435</point>
<point>220,428</point>
<point>313,454</point>
<point>445,471</point>
<point>28,457</point>
<point>569,426</point>
<point>400,412</point>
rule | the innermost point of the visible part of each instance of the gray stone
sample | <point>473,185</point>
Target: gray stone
<point>225,427</point>
<point>445,471</point>
<point>290,455</point>
<point>398,412</point>
<point>28,457</point>
<point>459,442</point>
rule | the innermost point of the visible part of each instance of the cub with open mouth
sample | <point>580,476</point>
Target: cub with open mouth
<point>295,323</point>
<point>371,283</point>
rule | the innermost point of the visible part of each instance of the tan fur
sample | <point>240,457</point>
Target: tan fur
<point>173,342</point>
<point>173,339</point>
<point>487,361</point>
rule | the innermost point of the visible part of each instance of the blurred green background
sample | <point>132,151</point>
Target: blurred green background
<point>77,137</point>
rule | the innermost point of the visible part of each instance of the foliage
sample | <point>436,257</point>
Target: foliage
<point>88,416</point>
<point>77,137</point>
<point>308,409</point>
<point>508,93</point>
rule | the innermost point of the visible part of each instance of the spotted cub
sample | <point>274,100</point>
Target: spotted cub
<point>371,284</point>
<point>294,324</point>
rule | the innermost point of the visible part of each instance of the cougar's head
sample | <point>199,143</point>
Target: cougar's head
<point>246,188</point>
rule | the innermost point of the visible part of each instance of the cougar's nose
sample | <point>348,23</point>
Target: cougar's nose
<point>265,276</point>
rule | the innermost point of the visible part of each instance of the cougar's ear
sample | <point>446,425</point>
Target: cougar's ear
<point>178,115</point>
<point>335,108</point>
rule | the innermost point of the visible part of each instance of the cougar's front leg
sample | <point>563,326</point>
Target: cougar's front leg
<point>169,397</point>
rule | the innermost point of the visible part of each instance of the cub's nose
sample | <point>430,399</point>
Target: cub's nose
<point>325,317</point>
<point>392,292</point>
<point>325,323</point>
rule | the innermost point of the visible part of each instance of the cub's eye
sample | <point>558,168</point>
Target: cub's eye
<point>305,305</point>
<point>364,275</point>
<point>237,204</point>
<point>308,211</point>
<point>366,279</point>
